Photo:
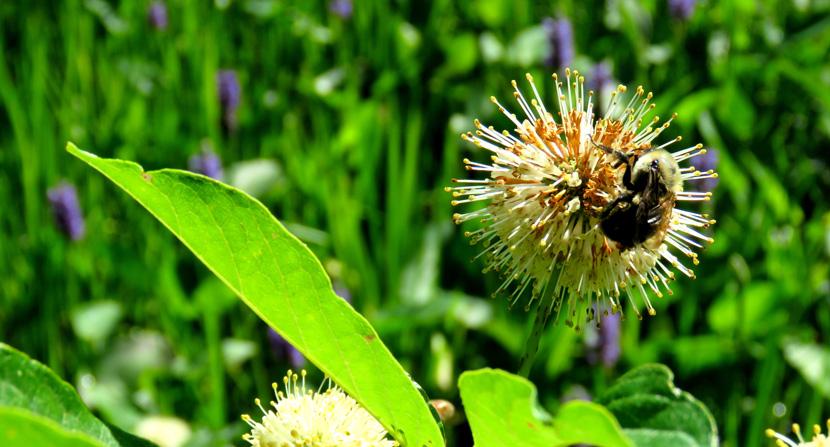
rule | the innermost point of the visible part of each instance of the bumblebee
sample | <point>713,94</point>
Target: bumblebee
<point>642,212</point>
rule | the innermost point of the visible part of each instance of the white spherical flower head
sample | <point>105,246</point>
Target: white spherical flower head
<point>582,209</point>
<point>819,439</point>
<point>305,418</point>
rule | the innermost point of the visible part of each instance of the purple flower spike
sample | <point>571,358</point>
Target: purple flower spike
<point>682,9</point>
<point>703,163</point>
<point>609,340</point>
<point>341,291</point>
<point>206,163</point>
<point>561,38</point>
<point>66,210</point>
<point>600,77</point>
<point>342,8</point>
<point>284,350</point>
<point>603,342</point>
<point>230,95</point>
<point>157,15</point>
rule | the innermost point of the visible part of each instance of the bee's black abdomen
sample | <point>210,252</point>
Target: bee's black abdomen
<point>624,227</point>
<point>619,227</point>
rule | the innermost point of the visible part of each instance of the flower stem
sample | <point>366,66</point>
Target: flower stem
<point>532,344</point>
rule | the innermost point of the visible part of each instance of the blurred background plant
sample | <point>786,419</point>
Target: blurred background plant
<point>343,118</point>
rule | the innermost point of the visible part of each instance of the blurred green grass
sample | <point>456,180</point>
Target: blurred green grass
<point>362,116</point>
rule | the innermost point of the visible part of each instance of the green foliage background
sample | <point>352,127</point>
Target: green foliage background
<point>362,117</point>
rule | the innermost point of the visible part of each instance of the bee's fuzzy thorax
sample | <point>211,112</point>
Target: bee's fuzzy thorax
<point>547,187</point>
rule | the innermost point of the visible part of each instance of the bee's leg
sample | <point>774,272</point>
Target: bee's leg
<point>621,156</point>
<point>627,175</point>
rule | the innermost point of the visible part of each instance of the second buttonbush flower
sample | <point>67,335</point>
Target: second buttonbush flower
<point>304,418</point>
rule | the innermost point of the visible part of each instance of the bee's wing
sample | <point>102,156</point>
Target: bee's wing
<point>661,209</point>
<point>656,200</point>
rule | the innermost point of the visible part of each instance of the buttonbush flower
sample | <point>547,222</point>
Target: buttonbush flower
<point>819,439</point>
<point>67,210</point>
<point>551,184</point>
<point>302,418</point>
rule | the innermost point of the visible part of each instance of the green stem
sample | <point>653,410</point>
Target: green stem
<point>216,371</point>
<point>532,344</point>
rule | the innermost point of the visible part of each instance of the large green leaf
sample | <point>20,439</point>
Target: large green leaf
<point>278,277</point>
<point>655,413</point>
<point>503,411</point>
<point>29,385</point>
<point>20,428</point>
<point>35,402</point>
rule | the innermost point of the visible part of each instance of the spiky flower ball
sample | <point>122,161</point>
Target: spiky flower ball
<point>819,439</point>
<point>582,209</point>
<point>305,418</point>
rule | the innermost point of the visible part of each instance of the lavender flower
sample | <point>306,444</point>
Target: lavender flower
<point>341,291</point>
<point>66,210</point>
<point>561,39</point>
<point>206,163</point>
<point>601,82</point>
<point>157,15</point>
<point>682,9</point>
<point>284,350</point>
<point>230,95</point>
<point>604,343</point>
<point>609,339</point>
<point>600,77</point>
<point>342,8</point>
<point>706,162</point>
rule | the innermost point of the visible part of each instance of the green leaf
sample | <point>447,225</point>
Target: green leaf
<point>36,405</point>
<point>19,427</point>
<point>735,111</point>
<point>812,361</point>
<point>589,423</point>
<point>656,413</point>
<point>278,277</point>
<point>502,410</point>
<point>528,47</point>
<point>651,437</point>
<point>755,310</point>
<point>462,54</point>
<point>32,388</point>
